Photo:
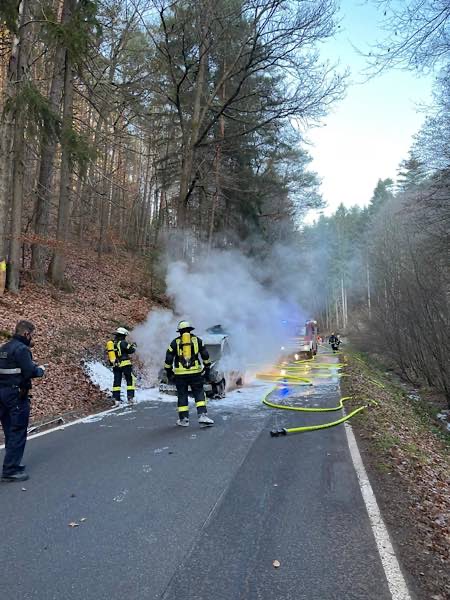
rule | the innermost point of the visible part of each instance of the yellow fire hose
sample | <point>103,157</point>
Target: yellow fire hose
<point>304,408</point>
<point>270,377</point>
<point>293,380</point>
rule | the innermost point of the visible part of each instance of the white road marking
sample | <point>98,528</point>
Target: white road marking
<point>86,419</point>
<point>395,579</point>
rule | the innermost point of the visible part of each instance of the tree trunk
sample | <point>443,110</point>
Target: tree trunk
<point>7,135</point>
<point>57,267</point>
<point>18,156</point>
<point>106,196</point>
<point>46,168</point>
<point>189,141</point>
<point>6,148</point>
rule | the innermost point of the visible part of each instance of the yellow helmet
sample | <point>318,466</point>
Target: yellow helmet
<point>182,325</point>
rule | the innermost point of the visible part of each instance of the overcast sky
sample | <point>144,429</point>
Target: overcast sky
<point>366,135</point>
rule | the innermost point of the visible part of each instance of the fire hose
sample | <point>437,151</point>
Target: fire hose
<point>294,379</point>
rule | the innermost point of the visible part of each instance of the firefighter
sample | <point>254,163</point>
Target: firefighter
<point>334,341</point>
<point>119,351</point>
<point>16,371</point>
<point>184,365</point>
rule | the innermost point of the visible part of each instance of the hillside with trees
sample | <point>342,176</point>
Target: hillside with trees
<point>156,128</point>
<point>150,149</point>
<point>123,122</point>
<point>384,277</point>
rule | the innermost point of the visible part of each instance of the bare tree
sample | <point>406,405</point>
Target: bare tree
<point>417,35</point>
<point>269,37</point>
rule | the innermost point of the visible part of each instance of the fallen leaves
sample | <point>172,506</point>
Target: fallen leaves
<point>404,440</point>
<point>71,327</point>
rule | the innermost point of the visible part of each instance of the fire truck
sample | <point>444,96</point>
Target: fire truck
<point>307,339</point>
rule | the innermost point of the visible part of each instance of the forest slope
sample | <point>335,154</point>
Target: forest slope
<point>73,325</point>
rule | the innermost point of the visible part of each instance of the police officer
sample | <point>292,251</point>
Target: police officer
<point>121,364</point>
<point>184,365</point>
<point>16,371</point>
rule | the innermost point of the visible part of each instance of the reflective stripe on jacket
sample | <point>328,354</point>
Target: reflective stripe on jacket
<point>123,349</point>
<point>16,363</point>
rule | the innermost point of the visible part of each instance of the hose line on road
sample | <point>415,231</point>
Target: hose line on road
<point>269,377</point>
<point>292,379</point>
<point>304,408</point>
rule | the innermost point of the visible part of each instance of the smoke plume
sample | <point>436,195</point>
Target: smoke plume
<point>251,300</point>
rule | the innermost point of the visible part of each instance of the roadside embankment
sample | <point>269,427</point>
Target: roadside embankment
<point>407,455</point>
<point>73,325</point>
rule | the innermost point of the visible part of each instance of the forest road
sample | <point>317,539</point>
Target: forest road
<point>160,512</point>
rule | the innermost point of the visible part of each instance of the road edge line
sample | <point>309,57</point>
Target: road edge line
<point>396,581</point>
<point>70,423</point>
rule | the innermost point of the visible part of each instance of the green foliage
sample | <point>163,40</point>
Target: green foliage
<point>77,33</point>
<point>411,173</point>
<point>30,105</point>
<point>381,195</point>
<point>9,14</point>
<point>81,151</point>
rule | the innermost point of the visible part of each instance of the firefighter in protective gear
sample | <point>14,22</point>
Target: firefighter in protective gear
<point>184,365</point>
<point>17,369</point>
<point>334,341</point>
<point>119,351</point>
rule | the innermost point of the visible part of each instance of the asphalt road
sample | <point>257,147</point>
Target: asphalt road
<point>169,513</point>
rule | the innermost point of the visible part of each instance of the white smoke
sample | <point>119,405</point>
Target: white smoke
<point>247,298</point>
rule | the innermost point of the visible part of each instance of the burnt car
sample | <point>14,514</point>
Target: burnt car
<point>223,375</point>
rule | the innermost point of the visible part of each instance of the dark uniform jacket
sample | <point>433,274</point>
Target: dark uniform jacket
<point>174,357</point>
<point>16,364</point>
<point>123,349</point>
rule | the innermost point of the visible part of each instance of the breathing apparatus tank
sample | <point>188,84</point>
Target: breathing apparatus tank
<point>111,352</point>
<point>186,349</point>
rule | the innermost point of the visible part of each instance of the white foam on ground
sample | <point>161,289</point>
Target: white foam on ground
<point>100,375</point>
<point>249,396</point>
<point>246,397</point>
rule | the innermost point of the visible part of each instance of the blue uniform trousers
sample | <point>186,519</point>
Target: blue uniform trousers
<point>14,417</point>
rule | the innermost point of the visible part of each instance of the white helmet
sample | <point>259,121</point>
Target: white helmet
<point>184,325</point>
<point>122,331</point>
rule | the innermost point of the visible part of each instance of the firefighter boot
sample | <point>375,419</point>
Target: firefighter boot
<point>205,421</point>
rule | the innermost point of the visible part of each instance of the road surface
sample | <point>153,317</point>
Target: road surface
<point>167,513</point>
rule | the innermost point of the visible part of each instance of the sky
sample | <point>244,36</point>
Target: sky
<point>366,135</point>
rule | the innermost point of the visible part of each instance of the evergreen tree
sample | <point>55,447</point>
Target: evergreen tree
<point>411,173</point>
